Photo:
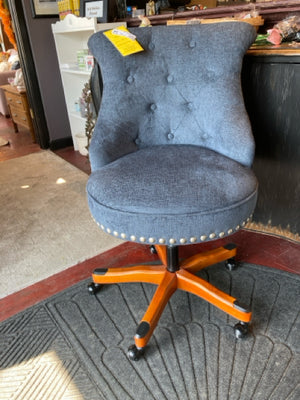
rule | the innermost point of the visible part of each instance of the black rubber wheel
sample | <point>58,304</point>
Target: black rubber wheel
<point>241,330</point>
<point>231,264</point>
<point>153,250</point>
<point>94,288</point>
<point>134,354</point>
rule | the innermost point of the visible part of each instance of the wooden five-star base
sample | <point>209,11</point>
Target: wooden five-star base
<point>170,275</point>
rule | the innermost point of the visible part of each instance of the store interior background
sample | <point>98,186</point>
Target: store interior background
<point>42,76</point>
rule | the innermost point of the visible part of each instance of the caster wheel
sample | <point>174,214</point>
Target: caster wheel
<point>153,250</point>
<point>231,264</point>
<point>94,288</point>
<point>134,353</point>
<point>241,330</point>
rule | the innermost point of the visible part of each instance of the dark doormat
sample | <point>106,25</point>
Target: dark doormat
<point>74,345</point>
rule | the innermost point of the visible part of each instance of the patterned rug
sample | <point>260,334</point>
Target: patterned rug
<point>73,345</point>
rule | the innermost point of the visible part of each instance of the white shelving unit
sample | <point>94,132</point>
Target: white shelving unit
<point>70,36</point>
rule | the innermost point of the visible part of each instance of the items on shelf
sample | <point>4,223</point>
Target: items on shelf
<point>150,8</point>
<point>85,61</point>
<point>66,7</point>
<point>17,81</point>
<point>287,30</point>
<point>81,54</point>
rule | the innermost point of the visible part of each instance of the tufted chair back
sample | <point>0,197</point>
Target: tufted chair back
<point>183,89</point>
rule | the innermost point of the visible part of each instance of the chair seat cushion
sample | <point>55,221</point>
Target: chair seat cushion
<point>175,194</point>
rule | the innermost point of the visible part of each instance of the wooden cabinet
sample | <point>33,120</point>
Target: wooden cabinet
<point>19,108</point>
<point>71,36</point>
<point>271,85</point>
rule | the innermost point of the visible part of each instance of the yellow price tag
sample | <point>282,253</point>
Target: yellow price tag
<point>123,40</point>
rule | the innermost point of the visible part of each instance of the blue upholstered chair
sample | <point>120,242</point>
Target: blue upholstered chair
<point>171,158</point>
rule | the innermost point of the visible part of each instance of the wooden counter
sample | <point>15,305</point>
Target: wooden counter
<point>271,12</point>
<point>271,88</point>
<point>284,49</point>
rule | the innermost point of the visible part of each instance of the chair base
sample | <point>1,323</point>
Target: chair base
<point>170,275</point>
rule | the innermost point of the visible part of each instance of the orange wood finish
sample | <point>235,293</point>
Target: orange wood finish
<point>169,282</point>
<point>157,305</point>
<point>193,284</point>
<point>138,273</point>
<point>203,260</point>
<point>162,253</point>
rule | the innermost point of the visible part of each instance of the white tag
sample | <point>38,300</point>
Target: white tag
<point>94,9</point>
<point>123,33</point>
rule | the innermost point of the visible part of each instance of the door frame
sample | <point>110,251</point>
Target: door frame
<point>29,73</point>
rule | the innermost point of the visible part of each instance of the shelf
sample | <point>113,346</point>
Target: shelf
<point>72,24</point>
<point>72,31</point>
<point>70,36</point>
<point>75,114</point>
<point>76,71</point>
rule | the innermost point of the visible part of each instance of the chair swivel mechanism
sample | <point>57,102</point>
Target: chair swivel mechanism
<point>171,158</point>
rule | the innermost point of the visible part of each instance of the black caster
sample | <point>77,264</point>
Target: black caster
<point>241,329</point>
<point>153,250</point>
<point>94,288</point>
<point>231,264</point>
<point>134,354</point>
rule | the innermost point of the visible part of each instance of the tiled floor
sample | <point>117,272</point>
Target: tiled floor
<point>253,247</point>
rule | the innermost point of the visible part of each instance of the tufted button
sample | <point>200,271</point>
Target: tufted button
<point>211,75</point>
<point>130,79</point>
<point>153,107</point>
<point>151,46</point>
<point>170,78</point>
<point>192,44</point>
<point>190,106</point>
<point>170,136</point>
<point>137,141</point>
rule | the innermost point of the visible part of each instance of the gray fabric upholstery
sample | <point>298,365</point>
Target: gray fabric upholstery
<point>172,148</point>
